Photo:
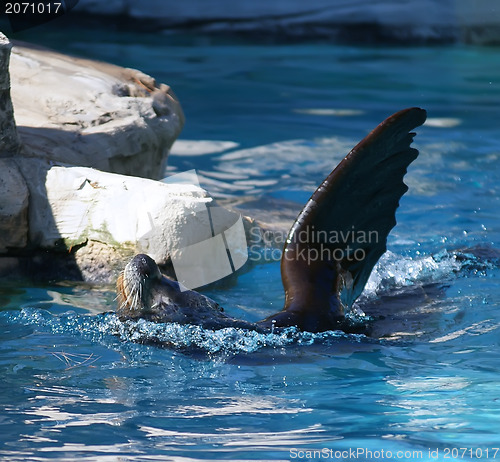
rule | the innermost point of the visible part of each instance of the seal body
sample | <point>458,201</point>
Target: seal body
<point>321,277</point>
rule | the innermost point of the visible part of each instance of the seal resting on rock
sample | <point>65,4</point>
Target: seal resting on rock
<point>321,276</point>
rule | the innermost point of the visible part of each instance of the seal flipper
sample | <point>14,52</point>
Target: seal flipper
<point>342,230</point>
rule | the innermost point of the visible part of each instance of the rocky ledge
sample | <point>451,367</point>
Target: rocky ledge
<point>78,174</point>
<point>92,114</point>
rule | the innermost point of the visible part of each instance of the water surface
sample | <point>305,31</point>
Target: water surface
<point>77,385</point>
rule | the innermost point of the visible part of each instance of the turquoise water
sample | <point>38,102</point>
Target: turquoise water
<point>77,385</point>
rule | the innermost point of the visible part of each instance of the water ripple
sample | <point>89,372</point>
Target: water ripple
<point>185,338</point>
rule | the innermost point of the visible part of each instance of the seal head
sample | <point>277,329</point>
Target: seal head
<point>144,292</point>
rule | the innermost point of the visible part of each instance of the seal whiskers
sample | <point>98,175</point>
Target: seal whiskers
<point>143,292</point>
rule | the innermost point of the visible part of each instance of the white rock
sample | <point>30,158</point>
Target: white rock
<point>72,112</point>
<point>92,114</point>
<point>77,204</point>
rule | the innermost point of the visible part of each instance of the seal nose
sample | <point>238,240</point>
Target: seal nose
<point>145,266</point>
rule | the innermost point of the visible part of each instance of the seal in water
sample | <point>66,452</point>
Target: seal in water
<point>330,251</point>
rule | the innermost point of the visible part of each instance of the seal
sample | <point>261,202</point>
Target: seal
<point>144,292</point>
<point>322,276</point>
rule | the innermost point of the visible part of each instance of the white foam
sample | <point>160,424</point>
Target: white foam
<point>329,112</point>
<point>201,147</point>
<point>394,271</point>
<point>443,122</point>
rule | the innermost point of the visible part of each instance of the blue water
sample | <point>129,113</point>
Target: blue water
<point>77,384</point>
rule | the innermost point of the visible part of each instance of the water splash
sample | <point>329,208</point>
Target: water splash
<point>394,272</point>
<point>107,328</point>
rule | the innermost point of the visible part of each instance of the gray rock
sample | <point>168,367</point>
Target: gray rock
<point>59,217</point>
<point>105,218</point>
<point>92,114</point>
<point>9,141</point>
<point>13,189</point>
<point>13,207</point>
<point>77,204</point>
<point>66,210</point>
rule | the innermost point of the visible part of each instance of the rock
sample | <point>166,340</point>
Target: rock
<point>72,205</point>
<point>408,20</point>
<point>104,218</point>
<point>9,141</point>
<point>13,207</point>
<point>62,219</point>
<point>92,114</point>
<point>59,218</point>
<point>13,190</point>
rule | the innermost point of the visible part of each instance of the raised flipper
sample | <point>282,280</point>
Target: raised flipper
<point>342,230</point>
